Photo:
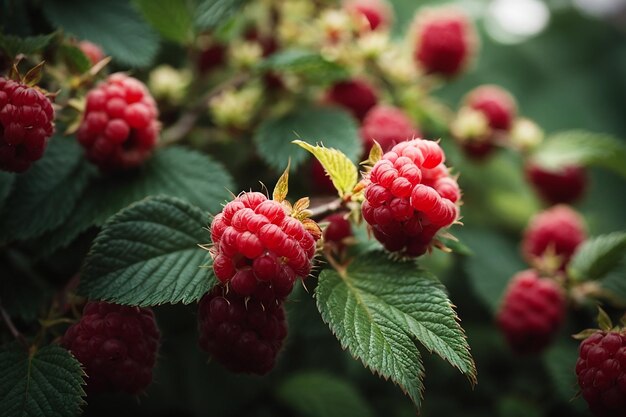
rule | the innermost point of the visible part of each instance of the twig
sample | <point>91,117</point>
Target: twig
<point>323,210</point>
<point>187,121</point>
<point>7,320</point>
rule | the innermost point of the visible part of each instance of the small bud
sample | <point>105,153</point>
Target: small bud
<point>168,83</point>
<point>526,135</point>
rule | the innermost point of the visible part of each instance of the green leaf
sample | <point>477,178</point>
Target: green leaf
<point>212,13</point>
<point>172,171</point>
<point>7,180</point>
<point>44,196</point>
<point>43,383</point>
<point>114,25</point>
<point>22,291</point>
<point>598,256</point>
<point>578,147</point>
<point>75,58</point>
<point>490,274</point>
<point>560,362</point>
<point>332,127</point>
<point>378,309</point>
<point>342,172</point>
<point>14,45</point>
<point>307,64</point>
<point>172,18</point>
<point>319,394</point>
<point>615,284</point>
<point>148,254</point>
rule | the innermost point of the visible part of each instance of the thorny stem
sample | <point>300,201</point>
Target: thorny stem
<point>187,121</point>
<point>9,323</point>
<point>323,210</point>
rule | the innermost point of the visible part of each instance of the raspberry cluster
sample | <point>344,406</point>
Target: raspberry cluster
<point>26,124</point>
<point>601,373</point>
<point>445,41</point>
<point>243,335</point>
<point>259,249</point>
<point>357,96</point>
<point>120,126</point>
<point>409,196</point>
<point>386,125</point>
<point>561,186</point>
<point>555,232</point>
<point>116,344</point>
<point>531,312</point>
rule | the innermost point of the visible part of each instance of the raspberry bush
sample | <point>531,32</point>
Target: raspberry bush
<point>291,207</point>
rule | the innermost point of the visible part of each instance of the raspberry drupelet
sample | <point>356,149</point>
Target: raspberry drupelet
<point>410,196</point>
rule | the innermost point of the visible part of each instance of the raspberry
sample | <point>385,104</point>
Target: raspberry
<point>117,346</point>
<point>120,127</point>
<point>244,336</point>
<point>531,312</point>
<point>554,232</point>
<point>320,181</point>
<point>338,229</point>
<point>258,248</point>
<point>91,51</point>
<point>376,13</point>
<point>387,125</point>
<point>409,196</point>
<point>211,58</point>
<point>357,95</point>
<point>601,373</point>
<point>497,104</point>
<point>563,186</point>
<point>26,124</point>
<point>445,41</point>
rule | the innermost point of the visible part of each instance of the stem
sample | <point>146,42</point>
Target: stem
<point>9,323</point>
<point>187,121</point>
<point>323,210</point>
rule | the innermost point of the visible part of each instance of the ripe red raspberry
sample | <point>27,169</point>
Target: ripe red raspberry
<point>377,13</point>
<point>91,51</point>
<point>554,232</point>
<point>320,181</point>
<point>26,124</point>
<point>601,373</point>
<point>445,41</point>
<point>563,186</point>
<point>259,249</point>
<point>120,126</point>
<point>243,335</point>
<point>357,95</point>
<point>338,229</point>
<point>409,196</point>
<point>497,104</point>
<point>211,58</point>
<point>387,125</point>
<point>531,312</point>
<point>116,344</point>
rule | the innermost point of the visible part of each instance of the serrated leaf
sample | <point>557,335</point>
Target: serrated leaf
<point>172,171</point>
<point>598,256</point>
<point>331,127</point>
<point>560,362</point>
<point>319,394</point>
<point>615,284</point>
<point>307,64</point>
<point>379,309</point>
<point>212,13</point>
<point>45,195</point>
<point>342,172</point>
<point>44,383</point>
<point>14,45</point>
<point>281,189</point>
<point>7,180</point>
<point>75,58</point>
<point>171,18</point>
<point>148,254</point>
<point>578,147</point>
<point>114,25</point>
<point>490,274</point>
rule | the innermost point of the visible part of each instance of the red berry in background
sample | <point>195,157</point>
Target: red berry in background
<point>445,41</point>
<point>497,104</point>
<point>561,186</point>
<point>211,58</point>
<point>377,13</point>
<point>243,335</point>
<point>601,373</point>
<point>117,345</point>
<point>556,231</point>
<point>320,181</point>
<point>338,229</point>
<point>120,127</point>
<point>410,196</point>
<point>357,96</point>
<point>26,124</point>
<point>259,249</point>
<point>531,312</point>
<point>91,51</point>
<point>387,125</point>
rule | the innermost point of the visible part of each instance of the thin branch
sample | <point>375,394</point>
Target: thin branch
<point>323,210</point>
<point>9,323</point>
<point>187,121</point>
